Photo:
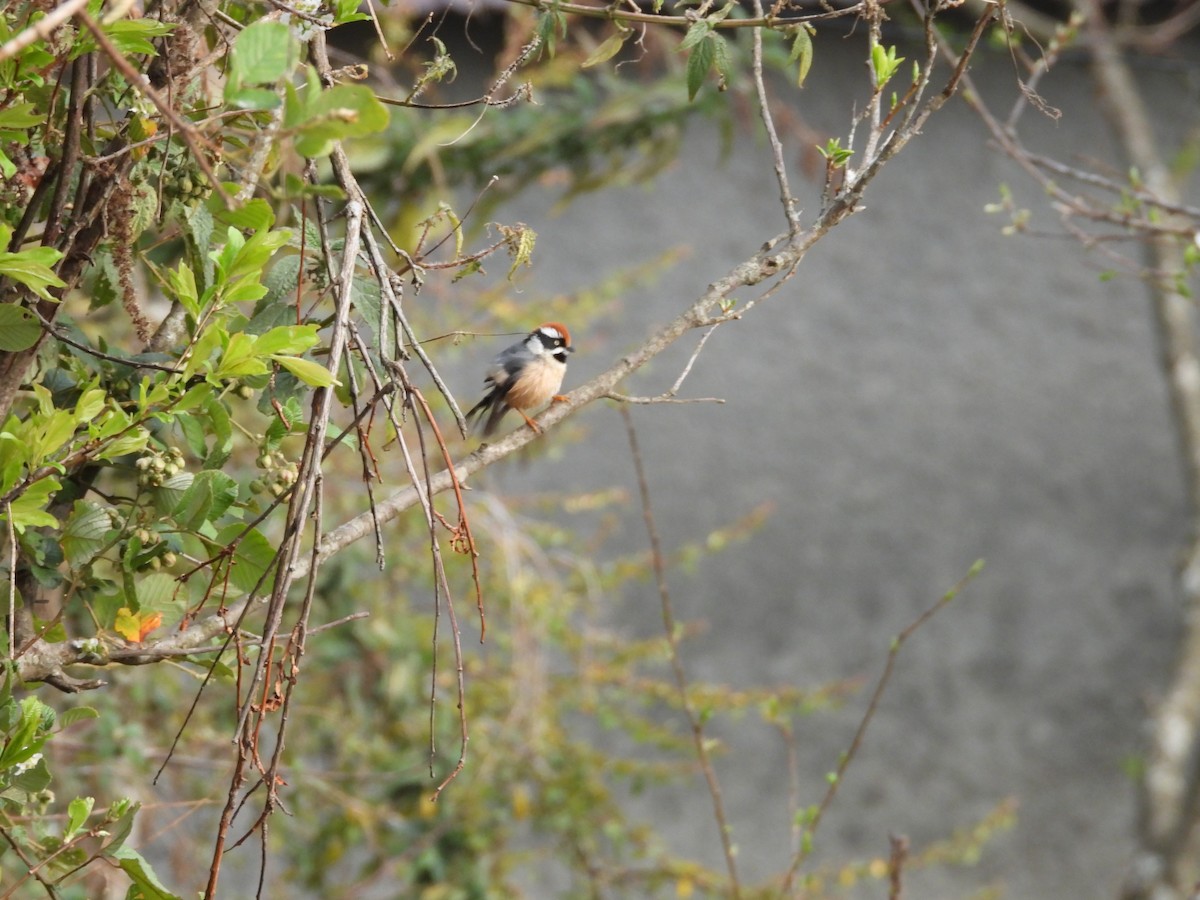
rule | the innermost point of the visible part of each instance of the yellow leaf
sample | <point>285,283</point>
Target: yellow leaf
<point>135,626</point>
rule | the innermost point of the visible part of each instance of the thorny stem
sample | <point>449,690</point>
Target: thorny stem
<point>657,561</point>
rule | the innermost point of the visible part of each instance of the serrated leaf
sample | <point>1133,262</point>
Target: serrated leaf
<point>802,54</point>
<point>608,48</point>
<point>281,288</point>
<point>263,53</point>
<point>206,499</point>
<point>306,370</point>
<point>69,717</point>
<point>83,536</point>
<point>156,592</point>
<point>698,66</point>
<point>119,830</point>
<point>19,328</point>
<point>251,558</point>
<point>171,491</point>
<point>696,33</point>
<point>132,36</point>
<point>193,435</point>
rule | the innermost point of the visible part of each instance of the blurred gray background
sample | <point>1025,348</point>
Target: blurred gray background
<point>924,393</point>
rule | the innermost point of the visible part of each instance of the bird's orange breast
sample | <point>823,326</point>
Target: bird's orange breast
<point>536,384</point>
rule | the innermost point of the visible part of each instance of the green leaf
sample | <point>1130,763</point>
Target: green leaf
<point>254,215</point>
<point>550,27</point>
<point>222,431</point>
<point>697,32</point>
<point>146,885</point>
<point>698,65</point>
<point>76,714</point>
<point>264,53</point>
<point>306,370</point>
<point>252,557</point>
<point>193,435</point>
<point>156,592</point>
<point>78,811</point>
<point>182,283</point>
<point>28,736</point>
<point>84,534</point>
<point>90,404</point>
<point>120,813</point>
<point>19,328</point>
<point>168,495</point>
<point>608,48</point>
<point>132,36</point>
<point>289,339</point>
<point>19,117</point>
<point>802,52</point>
<point>133,441</point>
<point>31,267</point>
<point>210,494</point>
<point>34,779</point>
<point>28,510</point>
<point>252,98</point>
<point>341,112</point>
<point>238,359</point>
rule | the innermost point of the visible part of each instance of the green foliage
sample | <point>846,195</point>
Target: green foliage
<point>884,64</point>
<point>56,844</point>
<point>835,153</point>
<point>148,459</point>
<point>802,51</point>
<point>708,50</point>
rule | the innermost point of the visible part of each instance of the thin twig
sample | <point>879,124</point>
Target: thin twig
<point>896,861</point>
<point>850,754</point>
<point>764,110</point>
<point>703,757</point>
<point>41,29</point>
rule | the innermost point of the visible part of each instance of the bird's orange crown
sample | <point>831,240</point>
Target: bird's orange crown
<point>560,328</point>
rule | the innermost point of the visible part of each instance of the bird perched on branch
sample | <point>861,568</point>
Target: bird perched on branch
<point>525,376</point>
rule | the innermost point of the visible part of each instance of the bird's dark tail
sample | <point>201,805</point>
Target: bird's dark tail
<point>493,400</point>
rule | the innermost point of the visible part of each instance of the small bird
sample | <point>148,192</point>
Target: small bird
<point>526,375</point>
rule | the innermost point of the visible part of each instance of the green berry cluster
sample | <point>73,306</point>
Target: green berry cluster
<point>149,540</point>
<point>155,467</point>
<point>187,186</point>
<point>279,474</point>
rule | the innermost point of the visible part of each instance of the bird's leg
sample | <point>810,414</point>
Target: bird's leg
<point>558,398</point>
<point>528,421</point>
